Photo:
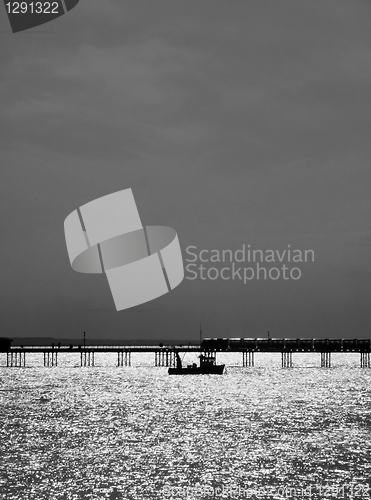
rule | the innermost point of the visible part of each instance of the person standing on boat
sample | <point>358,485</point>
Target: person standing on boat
<point>178,360</point>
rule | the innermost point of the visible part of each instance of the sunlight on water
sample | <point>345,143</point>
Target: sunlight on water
<point>138,433</point>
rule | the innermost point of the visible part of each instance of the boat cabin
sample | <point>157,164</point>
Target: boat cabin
<point>207,360</point>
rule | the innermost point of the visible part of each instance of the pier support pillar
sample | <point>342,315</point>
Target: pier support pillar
<point>87,358</point>
<point>50,358</point>
<point>172,360</point>
<point>16,359</point>
<point>325,359</point>
<point>287,359</point>
<point>124,358</point>
<point>165,358</point>
<point>365,360</point>
<point>248,359</point>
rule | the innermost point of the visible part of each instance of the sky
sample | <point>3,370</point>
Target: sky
<point>239,122</point>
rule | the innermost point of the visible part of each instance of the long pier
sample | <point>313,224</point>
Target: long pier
<point>164,356</point>
<point>289,346</point>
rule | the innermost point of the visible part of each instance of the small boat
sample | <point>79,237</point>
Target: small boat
<point>207,365</point>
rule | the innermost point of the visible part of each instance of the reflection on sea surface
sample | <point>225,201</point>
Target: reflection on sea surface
<point>137,433</point>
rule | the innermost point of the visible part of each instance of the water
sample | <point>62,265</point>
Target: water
<point>137,433</point>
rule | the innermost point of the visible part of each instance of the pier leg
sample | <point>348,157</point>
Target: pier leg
<point>121,358</point>
<point>248,359</point>
<point>286,359</point>
<point>16,359</point>
<point>365,359</point>
<point>54,361</point>
<point>50,359</point>
<point>87,358</point>
<point>163,358</point>
<point>169,358</point>
<point>325,359</point>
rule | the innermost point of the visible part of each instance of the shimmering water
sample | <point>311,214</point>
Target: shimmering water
<point>137,433</point>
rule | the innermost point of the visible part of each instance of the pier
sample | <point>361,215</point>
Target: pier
<point>164,356</point>
<point>325,347</point>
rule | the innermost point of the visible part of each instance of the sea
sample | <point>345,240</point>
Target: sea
<point>137,433</point>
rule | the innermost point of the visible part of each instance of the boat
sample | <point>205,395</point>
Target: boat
<point>207,366</point>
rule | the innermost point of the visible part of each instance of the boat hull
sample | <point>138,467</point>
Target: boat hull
<point>198,370</point>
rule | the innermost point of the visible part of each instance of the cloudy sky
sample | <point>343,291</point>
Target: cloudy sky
<point>239,122</point>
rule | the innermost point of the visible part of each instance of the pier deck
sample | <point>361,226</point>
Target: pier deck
<point>165,355</point>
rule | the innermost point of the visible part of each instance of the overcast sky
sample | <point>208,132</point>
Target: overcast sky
<point>234,122</point>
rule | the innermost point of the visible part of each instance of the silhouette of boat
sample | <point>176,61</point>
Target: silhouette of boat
<point>207,365</point>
